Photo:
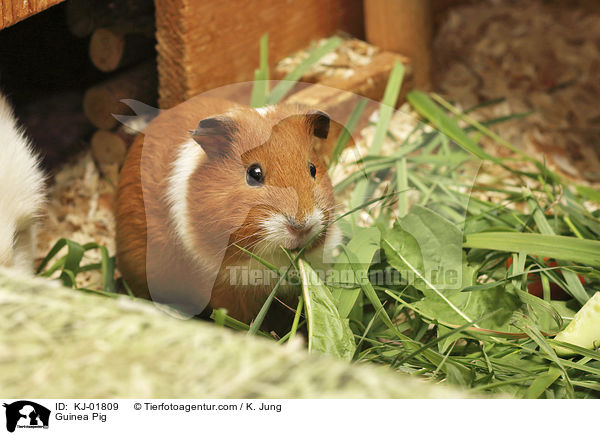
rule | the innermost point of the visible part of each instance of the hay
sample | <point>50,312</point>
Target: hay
<point>63,343</point>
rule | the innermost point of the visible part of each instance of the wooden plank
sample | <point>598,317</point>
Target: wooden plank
<point>403,26</point>
<point>206,44</point>
<point>13,11</point>
<point>339,97</point>
<point>367,81</point>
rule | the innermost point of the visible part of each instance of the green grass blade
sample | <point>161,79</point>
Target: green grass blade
<point>574,285</point>
<point>260,89</point>
<point>61,243</point>
<point>387,107</point>
<point>541,383</point>
<point>259,259</point>
<point>72,261</point>
<point>589,193</point>
<point>527,326</point>
<point>296,320</point>
<point>557,247</point>
<point>402,186</point>
<point>108,271</point>
<point>289,81</point>
<point>346,134</point>
<point>427,108</point>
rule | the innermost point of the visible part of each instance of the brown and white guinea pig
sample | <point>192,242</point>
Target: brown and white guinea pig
<point>21,193</point>
<point>208,175</point>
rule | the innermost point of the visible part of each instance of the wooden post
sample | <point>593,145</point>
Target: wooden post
<point>205,44</point>
<point>403,26</point>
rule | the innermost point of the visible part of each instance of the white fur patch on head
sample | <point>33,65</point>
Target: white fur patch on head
<point>277,232</point>
<point>263,111</point>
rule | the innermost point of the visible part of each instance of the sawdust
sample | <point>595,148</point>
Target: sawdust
<point>537,57</point>
<point>80,207</point>
<point>339,63</point>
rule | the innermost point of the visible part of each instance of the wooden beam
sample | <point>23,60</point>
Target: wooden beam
<point>367,81</point>
<point>210,43</point>
<point>339,97</point>
<point>13,11</point>
<point>403,26</point>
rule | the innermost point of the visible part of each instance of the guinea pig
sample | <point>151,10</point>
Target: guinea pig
<point>21,194</point>
<point>208,177</point>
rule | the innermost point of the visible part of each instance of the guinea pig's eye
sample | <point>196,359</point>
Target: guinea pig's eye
<point>255,175</point>
<point>312,169</point>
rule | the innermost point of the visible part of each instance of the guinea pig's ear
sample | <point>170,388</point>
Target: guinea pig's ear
<point>318,123</point>
<point>214,135</point>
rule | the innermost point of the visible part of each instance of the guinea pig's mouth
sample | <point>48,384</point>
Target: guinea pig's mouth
<point>292,233</point>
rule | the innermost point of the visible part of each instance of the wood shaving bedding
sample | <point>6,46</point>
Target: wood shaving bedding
<point>80,207</point>
<point>539,57</point>
<point>339,63</point>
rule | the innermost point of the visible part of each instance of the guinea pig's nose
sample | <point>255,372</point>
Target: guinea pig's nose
<point>297,227</point>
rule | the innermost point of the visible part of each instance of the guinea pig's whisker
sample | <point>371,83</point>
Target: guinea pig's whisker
<point>228,230</point>
<point>237,242</point>
<point>332,209</point>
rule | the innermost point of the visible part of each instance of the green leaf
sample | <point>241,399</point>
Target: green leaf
<point>429,246</point>
<point>363,246</point>
<point>327,332</point>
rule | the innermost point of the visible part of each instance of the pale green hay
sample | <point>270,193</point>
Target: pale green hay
<point>64,343</point>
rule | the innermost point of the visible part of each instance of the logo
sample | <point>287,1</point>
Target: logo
<point>26,414</point>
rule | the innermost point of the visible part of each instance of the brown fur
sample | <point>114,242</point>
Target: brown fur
<point>222,207</point>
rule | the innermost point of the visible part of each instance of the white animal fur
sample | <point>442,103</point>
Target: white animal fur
<point>277,233</point>
<point>264,111</point>
<point>188,158</point>
<point>21,193</point>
